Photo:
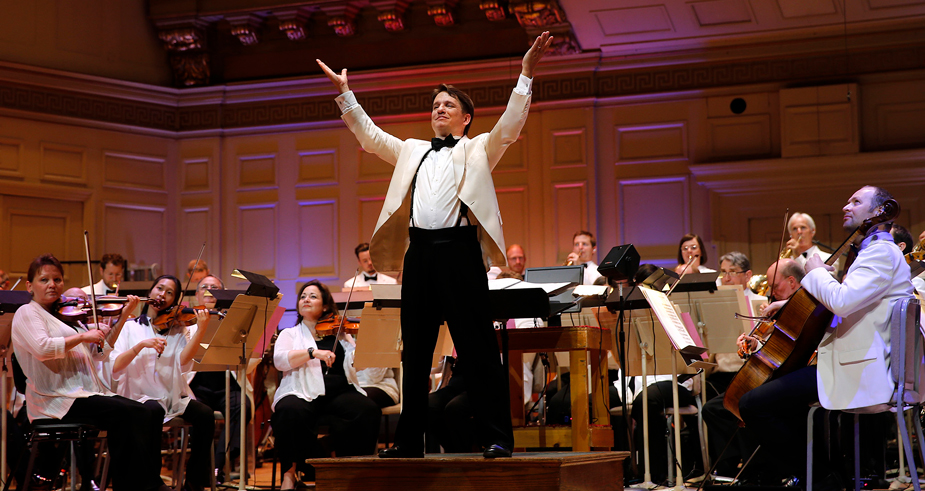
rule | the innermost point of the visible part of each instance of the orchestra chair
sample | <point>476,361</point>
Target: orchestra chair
<point>179,431</point>
<point>685,411</point>
<point>907,347</point>
<point>52,430</point>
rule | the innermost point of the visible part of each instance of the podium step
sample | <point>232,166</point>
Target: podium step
<point>528,471</point>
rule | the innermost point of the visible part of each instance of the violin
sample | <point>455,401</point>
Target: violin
<point>175,316</point>
<point>81,308</point>
<point>330,325</point>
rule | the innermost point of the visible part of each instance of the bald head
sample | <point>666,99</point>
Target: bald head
<point>785,276</point>
<point>516,259</point>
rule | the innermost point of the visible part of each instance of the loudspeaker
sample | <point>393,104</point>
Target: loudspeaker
<point>621,263</point>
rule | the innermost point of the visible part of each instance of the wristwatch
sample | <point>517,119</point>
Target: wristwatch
<point>311,353</point>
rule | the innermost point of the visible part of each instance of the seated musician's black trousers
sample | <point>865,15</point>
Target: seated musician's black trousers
<point>444,279</point>
<point>776,413</point>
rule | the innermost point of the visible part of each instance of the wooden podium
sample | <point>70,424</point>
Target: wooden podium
<point>585,346</point>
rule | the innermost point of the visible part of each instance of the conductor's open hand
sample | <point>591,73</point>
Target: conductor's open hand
<point>533,56</point>
<point>339,81</point>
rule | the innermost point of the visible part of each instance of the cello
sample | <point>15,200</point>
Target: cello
<point>792,335</point>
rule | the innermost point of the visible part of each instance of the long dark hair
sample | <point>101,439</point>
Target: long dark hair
<point>327,300</point>
<point>176,296</point>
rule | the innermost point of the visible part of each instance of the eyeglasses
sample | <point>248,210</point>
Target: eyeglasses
<point>210,287</point>
<point>730,273</point>
<point>690,248</point>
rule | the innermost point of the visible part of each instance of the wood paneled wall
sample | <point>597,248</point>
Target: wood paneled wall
<point>293,203</point>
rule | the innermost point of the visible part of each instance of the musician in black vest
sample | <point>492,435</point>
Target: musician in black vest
<point>441,204</point>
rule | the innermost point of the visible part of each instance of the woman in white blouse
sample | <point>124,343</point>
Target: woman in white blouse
<point>149,366</point>
<point>63,383</point>
<point>318,380</point>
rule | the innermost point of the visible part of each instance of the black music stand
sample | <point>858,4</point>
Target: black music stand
<point>243,326</point>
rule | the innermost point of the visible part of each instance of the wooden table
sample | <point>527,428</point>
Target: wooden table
<point>586,346</point>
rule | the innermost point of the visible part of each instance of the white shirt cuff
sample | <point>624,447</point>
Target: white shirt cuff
<point>524,85</point>
<point>346,101</point>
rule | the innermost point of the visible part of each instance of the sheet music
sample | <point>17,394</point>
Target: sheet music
<point>669,318</point>
<point>515,284</point>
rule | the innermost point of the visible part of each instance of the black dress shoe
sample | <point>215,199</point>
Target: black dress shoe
<point>397,452</point>
<point>495,451</point>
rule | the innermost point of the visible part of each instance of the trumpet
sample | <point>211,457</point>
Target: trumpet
<point>759,282</point>
<point>788,252</point>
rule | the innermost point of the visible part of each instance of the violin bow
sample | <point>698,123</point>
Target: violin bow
<point>772,281</point>
<point>96,319</point>
<point>343,318</point>
<point>190,279</point>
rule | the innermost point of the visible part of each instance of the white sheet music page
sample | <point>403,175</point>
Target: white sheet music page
<point>515,284</point>
<point>669,318</point>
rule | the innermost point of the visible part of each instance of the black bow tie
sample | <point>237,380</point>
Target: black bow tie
<point>438,143</point>
<point>370,278</point>
<point>804,254</point>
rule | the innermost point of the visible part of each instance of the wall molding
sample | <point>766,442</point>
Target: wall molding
<point>80,99</point>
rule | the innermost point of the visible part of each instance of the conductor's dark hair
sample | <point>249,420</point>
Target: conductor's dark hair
<point>467,106</point>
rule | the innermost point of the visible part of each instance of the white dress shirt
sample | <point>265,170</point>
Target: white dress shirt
<point>152,377</point>
<point>361,281</point>
<point>305,381</point>
<point>99,288</point>
<point>591,273</point>
<point>435,203</point>
<point>55,377</point>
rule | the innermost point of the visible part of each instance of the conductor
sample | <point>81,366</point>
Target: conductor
<point>441,203</point>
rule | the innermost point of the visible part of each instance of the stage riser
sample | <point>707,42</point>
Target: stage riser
<point>598,471</point>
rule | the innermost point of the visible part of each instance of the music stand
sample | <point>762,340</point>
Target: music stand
<point>247,317</point>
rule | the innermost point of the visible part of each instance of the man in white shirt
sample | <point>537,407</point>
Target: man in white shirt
<point>802,229</point>
<point>584,247</point>
<point>112,269</point>
<point>853,367</point>
<point>441,204</point>
<point>368,274</point>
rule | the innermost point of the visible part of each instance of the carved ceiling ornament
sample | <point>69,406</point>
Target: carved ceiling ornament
<point>292,22</point>
<point>181,39</point>
<point>441,12</point>
<point>190,69</point>
<point>391,13</point>
<point>341,18</point>
<point>244,27</point>
<point>537,13</point>
<point>493,10</point>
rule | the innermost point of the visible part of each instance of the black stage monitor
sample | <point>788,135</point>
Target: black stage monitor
<point>621,263</point>
<point>559,274</point>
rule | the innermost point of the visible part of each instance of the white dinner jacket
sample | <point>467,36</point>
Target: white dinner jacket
<point>854,355</point>
<point>473,160</point>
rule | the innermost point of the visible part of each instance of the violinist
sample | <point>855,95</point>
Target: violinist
<point>691,250</point>
<point>853,369</point>
<point>150,359</point>
<point>318,381</point>
<point>112,270</point>
<point>62,383</point>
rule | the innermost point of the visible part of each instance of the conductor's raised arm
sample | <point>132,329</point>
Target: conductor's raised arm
<point>533,56</point>
<point>340,81</point>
